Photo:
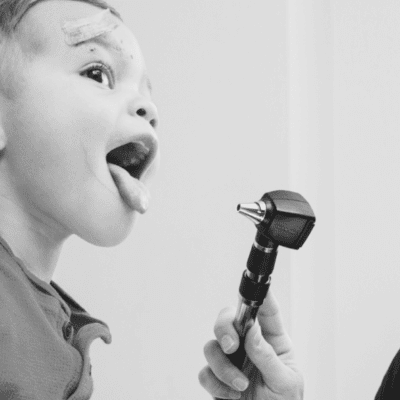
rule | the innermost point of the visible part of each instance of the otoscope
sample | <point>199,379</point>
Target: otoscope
<point>282,218</point>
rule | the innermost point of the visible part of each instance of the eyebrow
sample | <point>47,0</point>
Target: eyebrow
<point>111,48</point>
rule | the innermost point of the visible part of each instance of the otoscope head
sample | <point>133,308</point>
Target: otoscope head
<point>284,217</point>
<point>255,212</point>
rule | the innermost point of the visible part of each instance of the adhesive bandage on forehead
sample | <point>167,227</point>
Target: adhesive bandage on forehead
<point>80,30</point>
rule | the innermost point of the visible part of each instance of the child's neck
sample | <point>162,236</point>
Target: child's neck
<point>30,237</point>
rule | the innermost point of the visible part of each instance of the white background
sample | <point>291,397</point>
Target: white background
<point>254,96</point>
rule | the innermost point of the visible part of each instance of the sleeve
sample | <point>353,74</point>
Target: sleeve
<point>390,387</point>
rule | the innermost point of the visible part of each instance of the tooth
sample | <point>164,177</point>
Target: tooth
<point>141,147</point>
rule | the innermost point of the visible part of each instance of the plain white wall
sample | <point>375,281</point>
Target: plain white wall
<point>219,71</point>
<point>367,188</point>
<point>312,303</point>
<point>344,91</point>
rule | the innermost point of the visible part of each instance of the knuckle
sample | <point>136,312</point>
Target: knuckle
<point>219,330</point>
<point>203,376</point>
<point>219,389</point>
<point>227,377</point>
<point>224,321</point>
<point>226,311</point>
<point>210,347</point>
<point>212,385</point>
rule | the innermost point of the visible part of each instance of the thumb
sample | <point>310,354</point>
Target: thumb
<point>263,356</point>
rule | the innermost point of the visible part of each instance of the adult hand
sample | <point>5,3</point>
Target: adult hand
<point>270,372</point>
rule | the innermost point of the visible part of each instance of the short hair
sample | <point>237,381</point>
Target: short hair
<point>11,57</point>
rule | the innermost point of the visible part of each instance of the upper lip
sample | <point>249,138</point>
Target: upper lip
<point>147,139</point>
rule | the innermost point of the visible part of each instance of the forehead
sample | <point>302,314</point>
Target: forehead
<point>48,29</point>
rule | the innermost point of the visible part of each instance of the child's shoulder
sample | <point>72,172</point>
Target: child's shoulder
<point>42,355</point>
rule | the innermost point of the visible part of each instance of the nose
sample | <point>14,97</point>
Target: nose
<point>146,109</point>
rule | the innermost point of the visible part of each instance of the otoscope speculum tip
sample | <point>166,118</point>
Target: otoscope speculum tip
<point>255,212</point>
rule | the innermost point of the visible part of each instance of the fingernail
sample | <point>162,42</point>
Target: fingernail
<point>240,384</point>
<point>226,343</point>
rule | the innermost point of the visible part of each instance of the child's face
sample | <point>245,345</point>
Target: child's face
<point>68,117</point>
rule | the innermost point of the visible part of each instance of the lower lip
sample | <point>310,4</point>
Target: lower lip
<point>131,190</point>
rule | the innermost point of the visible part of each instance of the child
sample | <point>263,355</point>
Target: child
<point>77,146</point>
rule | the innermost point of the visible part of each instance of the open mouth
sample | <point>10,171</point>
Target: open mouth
<point>134,157</point>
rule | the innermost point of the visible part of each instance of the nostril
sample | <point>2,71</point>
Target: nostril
<point>141,112</point>
<point>153,123</point>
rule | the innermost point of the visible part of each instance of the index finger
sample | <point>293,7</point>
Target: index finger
<point>225,332</point>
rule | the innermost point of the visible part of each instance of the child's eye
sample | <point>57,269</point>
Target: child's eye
<point>101,73</point>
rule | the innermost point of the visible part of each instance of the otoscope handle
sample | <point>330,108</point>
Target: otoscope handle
<point>253,289</point>
<point>246,313</point>
<point>244,320</point>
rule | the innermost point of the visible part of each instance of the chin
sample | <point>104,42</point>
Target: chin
<point>108,235</point>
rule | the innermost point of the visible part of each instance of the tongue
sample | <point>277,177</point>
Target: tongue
<point>132,191</point>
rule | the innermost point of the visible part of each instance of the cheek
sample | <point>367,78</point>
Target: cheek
<point>57,139</point>
<point>56,126</point>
